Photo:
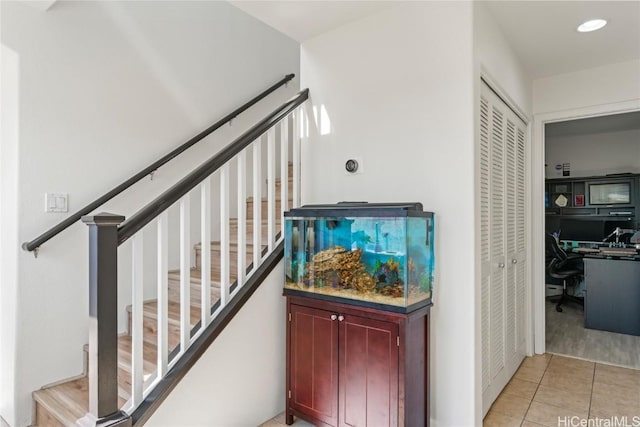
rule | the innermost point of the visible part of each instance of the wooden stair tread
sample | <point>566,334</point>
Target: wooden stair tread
<point>150,310</point>
<point>195,277</point>
<point>149,355</point>
<point>233,246</point>
<point>264,199</point>
<point>67,402</point>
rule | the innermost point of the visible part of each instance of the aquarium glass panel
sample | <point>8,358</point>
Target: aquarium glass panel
<point>381,260</point>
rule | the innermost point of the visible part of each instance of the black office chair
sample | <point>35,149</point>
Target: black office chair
<point>568,268</point>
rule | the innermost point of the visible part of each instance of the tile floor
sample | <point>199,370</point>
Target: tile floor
<point>547,387</point>
<point>279,422</point>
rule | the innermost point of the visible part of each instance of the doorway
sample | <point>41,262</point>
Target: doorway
<point>567,143</point>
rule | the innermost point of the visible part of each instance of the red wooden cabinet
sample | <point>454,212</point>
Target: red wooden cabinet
<point>354,366</point>
<point>313,363</point>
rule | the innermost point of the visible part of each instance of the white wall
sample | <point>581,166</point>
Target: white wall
<point>608,84</point>
<point>8,225</point>
<point>397,88</point>
<point>498,61</point>
<point>105,89</point>
<point>594,154</point>
<point>240,380</point>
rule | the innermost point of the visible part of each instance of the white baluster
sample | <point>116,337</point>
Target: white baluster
<point>163,291</point>
<point>224,235</point>
<point>137,285</point>
<point>185,272</point>
<point>271,185</point>
<point>284,171</point>
<point>242,217</point>
<point>257,202</point>
<point>205,252</point>
<point>297,126</point>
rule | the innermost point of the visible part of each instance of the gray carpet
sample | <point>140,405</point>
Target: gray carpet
<point>566,334</point>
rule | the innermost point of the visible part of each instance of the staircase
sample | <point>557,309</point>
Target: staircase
<point>66,403</point>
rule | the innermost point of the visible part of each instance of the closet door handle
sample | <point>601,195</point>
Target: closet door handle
<point>514,261</point>
<point>501,265</point>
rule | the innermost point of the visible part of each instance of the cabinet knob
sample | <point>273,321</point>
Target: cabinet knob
<point>334,317</point>
<point>514,261</point>
<point>501,265</point>
<point>341,318</point>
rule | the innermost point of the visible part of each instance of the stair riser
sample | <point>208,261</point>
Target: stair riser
<point>233,232</point>
<point>289,188</point>
<point>215,263</point>
<point>45,418</point>
<point>150,332</point>
<point>174,293</point>
<point>264,209</point>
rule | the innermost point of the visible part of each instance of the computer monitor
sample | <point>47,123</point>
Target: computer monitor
<point>582,230</point>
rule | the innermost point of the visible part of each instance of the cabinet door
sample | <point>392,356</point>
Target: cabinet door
<point>368,372</point>
<point>314,363</point>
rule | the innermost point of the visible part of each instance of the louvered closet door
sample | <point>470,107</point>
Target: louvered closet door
<point>503,245</point>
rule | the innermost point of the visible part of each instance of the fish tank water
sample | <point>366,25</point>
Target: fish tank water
<point>374,255</point>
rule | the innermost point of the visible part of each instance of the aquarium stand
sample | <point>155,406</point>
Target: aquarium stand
<point>354,365</point>
<point>358,302</point>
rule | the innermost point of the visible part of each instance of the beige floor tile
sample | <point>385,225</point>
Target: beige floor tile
<point>568,381</point>
<point>629,415</point>
<point>539,361</point>
<point>608,399</point>
<point>528,373</point>
<point>497,419</point>
<point>511,405</point>
<point>548,415</point>
<point>570,362</point>
<point>624,377</point>
<point>570,366</point>
<point>520,388</point>
<point>526,423</point>
<point>575,400</point>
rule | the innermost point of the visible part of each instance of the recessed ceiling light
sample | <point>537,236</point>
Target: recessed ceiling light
<point>592,25</point>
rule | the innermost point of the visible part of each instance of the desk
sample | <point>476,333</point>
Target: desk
<point>612,301</point>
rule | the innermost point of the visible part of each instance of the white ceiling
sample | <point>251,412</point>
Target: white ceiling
<point>603,124</point>
<point>542,33</point>
<point>303,20</point>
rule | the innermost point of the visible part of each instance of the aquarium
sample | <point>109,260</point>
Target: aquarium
<point>376,255</point>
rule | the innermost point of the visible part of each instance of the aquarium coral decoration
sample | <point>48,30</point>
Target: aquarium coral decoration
<point>340,268</point>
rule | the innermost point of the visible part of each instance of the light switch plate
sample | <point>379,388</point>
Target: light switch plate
<point>56,202</point>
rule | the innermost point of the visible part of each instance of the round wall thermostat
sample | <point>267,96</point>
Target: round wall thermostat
<point>351,166</point>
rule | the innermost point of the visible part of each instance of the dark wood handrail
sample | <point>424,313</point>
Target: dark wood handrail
<point>169,197</point>
<point>63,225</point>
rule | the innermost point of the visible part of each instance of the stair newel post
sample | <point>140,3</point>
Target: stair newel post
<point>103,319</point>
